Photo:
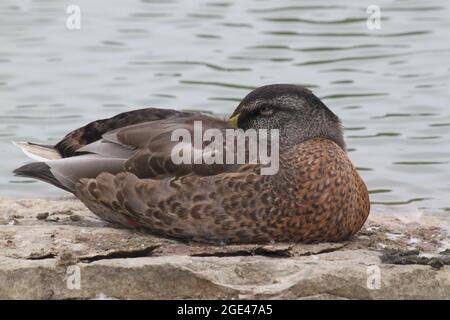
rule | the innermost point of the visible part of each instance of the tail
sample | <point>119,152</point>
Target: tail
<point>65,173</point>
<point>38,152</point>
<point>40,171</point>
<point>62,172</point>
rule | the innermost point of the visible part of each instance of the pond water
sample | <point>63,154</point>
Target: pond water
<point>389,86</point>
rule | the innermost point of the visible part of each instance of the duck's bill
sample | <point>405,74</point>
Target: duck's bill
<point>233,121</point>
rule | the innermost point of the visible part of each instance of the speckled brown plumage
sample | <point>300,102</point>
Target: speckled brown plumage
<point>129,179</point>
<point>317,196</point>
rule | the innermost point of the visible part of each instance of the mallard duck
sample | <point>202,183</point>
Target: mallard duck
<point>121,169</point>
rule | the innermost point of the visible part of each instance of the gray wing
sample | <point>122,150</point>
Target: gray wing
<point>94,131</point>
<point>142,148</point>
<point>148,146</point>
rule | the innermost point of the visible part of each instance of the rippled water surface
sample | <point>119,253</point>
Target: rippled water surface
<point>389,86</point>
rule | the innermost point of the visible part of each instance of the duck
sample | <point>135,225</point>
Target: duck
<point>122,169</point>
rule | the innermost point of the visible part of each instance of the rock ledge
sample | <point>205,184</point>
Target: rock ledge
<point>57,249</point>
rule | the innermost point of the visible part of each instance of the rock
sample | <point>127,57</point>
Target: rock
<point>86,258</point>
<point>75,217</point>
<point>415,257</point>
<point>42,215</point>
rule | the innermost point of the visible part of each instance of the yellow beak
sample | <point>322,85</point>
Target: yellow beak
<point>233,122</point>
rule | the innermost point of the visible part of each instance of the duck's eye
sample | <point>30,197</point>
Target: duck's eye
<point>266,111</point>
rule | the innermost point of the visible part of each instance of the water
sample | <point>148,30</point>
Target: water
<point>389,86</point>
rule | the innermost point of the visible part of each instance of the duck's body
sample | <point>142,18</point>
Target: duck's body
<point>325,200</point>
<point>129,179</point>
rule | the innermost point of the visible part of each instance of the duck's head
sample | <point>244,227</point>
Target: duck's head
<point>293,109</point>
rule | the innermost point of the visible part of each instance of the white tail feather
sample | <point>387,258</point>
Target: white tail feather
<point>37,152</point>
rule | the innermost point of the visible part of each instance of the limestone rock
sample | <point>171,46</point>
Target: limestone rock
<point>61,257</point>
